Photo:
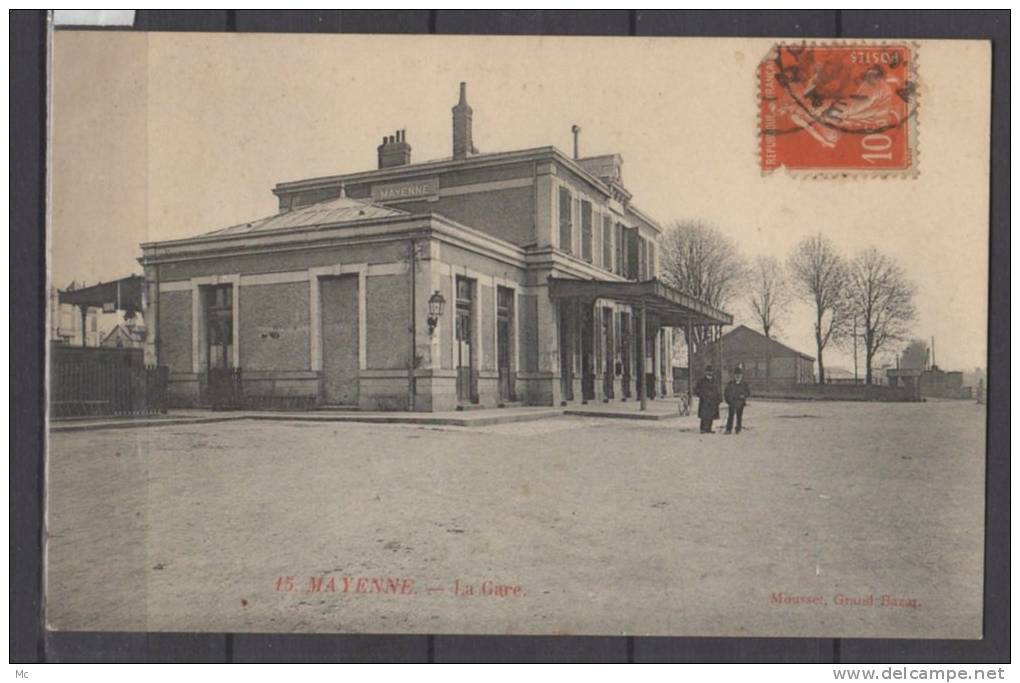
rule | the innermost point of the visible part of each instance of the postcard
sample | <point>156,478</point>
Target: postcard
<point>517,335</point>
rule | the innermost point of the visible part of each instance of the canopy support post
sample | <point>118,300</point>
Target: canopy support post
<point>642,380</point>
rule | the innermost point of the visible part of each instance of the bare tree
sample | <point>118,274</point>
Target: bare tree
<point>699,260</point>
<point>821,274</point>
<point>882,299</point>
<point>768,297</point>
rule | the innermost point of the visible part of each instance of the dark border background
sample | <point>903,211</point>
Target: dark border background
<point>30,643</point>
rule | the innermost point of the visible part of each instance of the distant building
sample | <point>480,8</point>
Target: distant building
<point>66,325</point>
<point>880,375</point>
<point>124,337</point>
<point>905,378</point>
<point>763,359</point>
<point>85,315</point>
<point>975,378</point>
<point>938,383</point>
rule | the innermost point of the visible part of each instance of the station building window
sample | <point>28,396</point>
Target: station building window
<point>607,243</point>
<point>586,231</point>
<point>566,224</point>
<point>467,386</point>
<point>505,342</point>
<point>621,251</point>
<point>219,325</point>
<point>633,269</point>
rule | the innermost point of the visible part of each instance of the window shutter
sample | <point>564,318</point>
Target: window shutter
<point>565,226</point>
<point>586,230</point>
<point>607,242</point>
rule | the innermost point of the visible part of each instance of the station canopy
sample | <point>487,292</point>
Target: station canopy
<point>669,306</point>
<point>125,294</point>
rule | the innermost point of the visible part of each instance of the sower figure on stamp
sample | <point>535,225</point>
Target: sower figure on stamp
<point>707,392</point>
<point>736,394</point>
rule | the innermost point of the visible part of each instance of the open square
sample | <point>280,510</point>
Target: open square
<point>822,519</point>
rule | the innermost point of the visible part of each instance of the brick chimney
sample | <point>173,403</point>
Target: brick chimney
<point>463,146</point>
<point>394,150</point>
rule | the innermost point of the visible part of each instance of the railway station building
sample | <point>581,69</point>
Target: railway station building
<point>482,279</point>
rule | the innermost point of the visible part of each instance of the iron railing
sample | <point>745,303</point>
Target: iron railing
<point>225,389</point>
<point>87,381</point>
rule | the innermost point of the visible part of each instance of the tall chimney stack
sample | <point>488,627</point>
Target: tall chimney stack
<point>463,146</point>
<point>394,150</point>
<point>576,130</point>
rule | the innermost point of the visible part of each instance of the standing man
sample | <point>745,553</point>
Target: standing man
<point>736,395</point>
<point>707,392</point>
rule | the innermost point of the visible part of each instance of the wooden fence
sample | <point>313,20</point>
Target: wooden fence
<point>839,392</point>
<point>104,381</point>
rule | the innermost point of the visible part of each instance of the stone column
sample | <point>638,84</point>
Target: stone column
<point>546,386</point>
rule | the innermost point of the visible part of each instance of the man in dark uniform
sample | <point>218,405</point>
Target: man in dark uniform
<point>707,392</point>
<point>736,394</point>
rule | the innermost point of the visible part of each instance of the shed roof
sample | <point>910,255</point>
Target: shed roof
<point>776,348</point>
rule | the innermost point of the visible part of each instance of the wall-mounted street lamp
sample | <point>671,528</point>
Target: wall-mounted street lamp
<point>436,305</point>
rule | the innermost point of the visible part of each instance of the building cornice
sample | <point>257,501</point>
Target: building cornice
<point>300,236</point>
<point>641,215</point>
<point>457,234</point>
<point>550,257</point>
<point>379,230</point>
<point>444,165</point>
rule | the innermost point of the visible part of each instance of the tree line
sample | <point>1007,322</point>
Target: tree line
<point>865,297</point>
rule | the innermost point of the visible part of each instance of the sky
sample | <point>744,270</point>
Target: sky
<point>168,135</point>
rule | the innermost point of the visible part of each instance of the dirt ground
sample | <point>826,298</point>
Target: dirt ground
<point>797,527</point>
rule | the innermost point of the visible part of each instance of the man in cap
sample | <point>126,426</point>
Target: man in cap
<point>736,394</point>
<point>707,392</point>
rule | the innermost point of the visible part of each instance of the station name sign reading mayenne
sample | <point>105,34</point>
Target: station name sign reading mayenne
<point>427,188</point>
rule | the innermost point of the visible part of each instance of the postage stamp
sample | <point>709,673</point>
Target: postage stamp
<point>839,109</point>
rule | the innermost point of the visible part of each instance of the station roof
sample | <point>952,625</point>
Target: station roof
<point>672,307</point>
<point>434,166</point>
<point>124,294</point>
<point>328,212</point>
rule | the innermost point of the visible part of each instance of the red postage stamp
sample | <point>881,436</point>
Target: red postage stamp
<point>839,109</point>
